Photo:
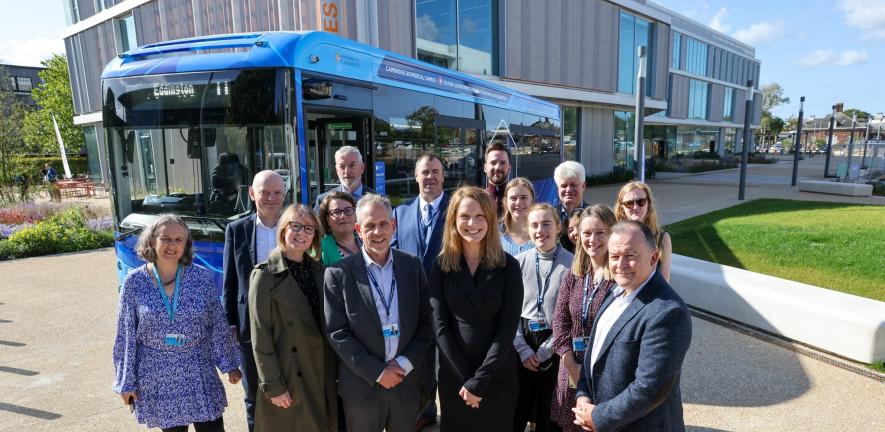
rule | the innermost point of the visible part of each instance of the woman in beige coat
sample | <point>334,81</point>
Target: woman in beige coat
<point>296,365</point>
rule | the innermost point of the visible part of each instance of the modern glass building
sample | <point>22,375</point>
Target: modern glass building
<point>580,54</point>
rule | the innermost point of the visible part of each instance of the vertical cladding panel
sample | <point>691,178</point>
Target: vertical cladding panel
<point>757,108</point>
<point>710,61</point>
<point>604,38</point>
<point>147,23</point>
<point>514,29</point>
<point>91,52</point>
<point>572,12</point>
<point>395,27</point>
<point>597,137</point>
<point>177,19</point>
<point>683,52</point>
<point>679,97</point>
<point>86,8</point>
<point>71,45</point>
<point>662,60</point>
<point>717,102</point>
<point>552,42</point>
<point>740,104</point>
<point>348,17</point>
<point>533,29</point>
<point>287,15</point>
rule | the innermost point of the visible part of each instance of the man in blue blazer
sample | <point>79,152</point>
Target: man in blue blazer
<point>419,232</point>
<point>620,389</point>
<point>247,242</point>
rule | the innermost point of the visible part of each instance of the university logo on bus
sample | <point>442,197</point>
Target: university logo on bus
<point>346,60</point>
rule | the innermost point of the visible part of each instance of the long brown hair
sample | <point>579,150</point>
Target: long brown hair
<point>582,265</point>
<point>452,250</point>
<point>651,216</point>
<point>506,216</point>
<point>289,215</point>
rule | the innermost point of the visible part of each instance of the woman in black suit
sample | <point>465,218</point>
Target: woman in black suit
<point>476,295</point>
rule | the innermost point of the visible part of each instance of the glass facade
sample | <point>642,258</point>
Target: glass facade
<point>571,117</point>
<point>625,122</point>
<point>698,95</point>
<point>458,34</point>
<point>691,139</point>
<point>633,33</point>
<point>677,50</point>
<point>695,57</point>
<point>92,153</point>
<point>128,39</point>
<point>728,108</point>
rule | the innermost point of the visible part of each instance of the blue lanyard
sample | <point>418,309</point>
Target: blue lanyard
<point>359,245</point>
<point>586,301</point>
<point>542,290</point>
<point>377,287</point>
<point>422,233</point>
<point>171,308</point>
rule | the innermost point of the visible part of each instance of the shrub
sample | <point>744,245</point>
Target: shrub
<point>65,231</point>
<point>618,175</point>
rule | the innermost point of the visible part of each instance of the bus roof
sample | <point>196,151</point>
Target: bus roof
<point>319,52</point>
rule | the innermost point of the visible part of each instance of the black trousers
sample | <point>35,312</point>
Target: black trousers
<point>216,425</point>
<point>250,382</point>
<point>536,388</point>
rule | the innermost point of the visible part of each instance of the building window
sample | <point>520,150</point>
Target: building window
<point>458,34</point>
<point>72,12</point>
<point>24,84</point>
<point>677,50</point>
<point>623,140</point>
<point>728,109</point>
<point>99,6</point>
<point>695,57</point>
<point>634,32</point>
<point>570,118</point>
<point>128,39</point>
<point>698,94</point>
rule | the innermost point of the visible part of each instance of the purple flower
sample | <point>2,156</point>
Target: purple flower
<point>102,224</point>
<point>8,230</point>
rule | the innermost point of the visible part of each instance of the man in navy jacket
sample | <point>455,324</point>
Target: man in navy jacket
<point>419,232</point>
<point>620,389</point>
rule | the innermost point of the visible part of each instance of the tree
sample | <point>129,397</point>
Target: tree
<point>772,96</point>
<point>861,114</point>
<point>12,112</point>
<point>53,97</point>
<point>771,125</point>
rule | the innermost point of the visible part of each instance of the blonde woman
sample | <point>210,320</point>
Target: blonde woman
<point>476,295</point>
<point>519,196</point>
<point>580,297</point>
<point>635,202</point>
<point>296,366</point>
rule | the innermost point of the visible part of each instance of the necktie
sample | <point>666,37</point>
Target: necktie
<point>427,222</point>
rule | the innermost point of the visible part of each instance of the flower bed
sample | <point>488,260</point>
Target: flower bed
<point>28,230</point>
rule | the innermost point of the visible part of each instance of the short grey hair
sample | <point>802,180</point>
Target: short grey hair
<point>648,235</point>
<point>371,199</point>
<point>349,150</point>
<point>145,248</point>
<point>570,170</point>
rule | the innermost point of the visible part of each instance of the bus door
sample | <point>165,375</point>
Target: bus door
<point>326,134</point>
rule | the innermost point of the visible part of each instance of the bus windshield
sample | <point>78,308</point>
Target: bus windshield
<point>190,143</point>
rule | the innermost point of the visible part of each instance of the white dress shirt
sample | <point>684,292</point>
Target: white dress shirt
<point>611,314</point>
<point>265,239</point>
<point>385,276</point>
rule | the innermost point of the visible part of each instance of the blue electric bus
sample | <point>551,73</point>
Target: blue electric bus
<point>189,122</point>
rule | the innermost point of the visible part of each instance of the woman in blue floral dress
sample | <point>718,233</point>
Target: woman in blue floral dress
<point>172,335</point>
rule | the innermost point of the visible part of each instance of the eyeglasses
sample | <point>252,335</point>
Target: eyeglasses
<point>298,227</point>
<point>337,213</point>
<point>641,202</point>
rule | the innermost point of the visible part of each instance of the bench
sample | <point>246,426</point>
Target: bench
<point>846,325</point>
<point>834,188</point>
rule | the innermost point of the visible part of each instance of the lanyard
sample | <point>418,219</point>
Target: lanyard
<point>586,301</point>
<point>359,245</point>
<point>423,236</point>
<point>377,287</point>
<point>171,308</point>
<point>542,290</point>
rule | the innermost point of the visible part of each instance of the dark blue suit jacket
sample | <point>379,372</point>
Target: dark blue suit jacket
<point>239,260</point>
<point>635,381</point>
<point>407,237</point>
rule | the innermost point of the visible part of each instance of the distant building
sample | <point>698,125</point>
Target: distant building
<point>23,80</point>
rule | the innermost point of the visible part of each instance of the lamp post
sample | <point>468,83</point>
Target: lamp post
<point>638,135</point>
<point>830,142</point>
<point>850,145</point>
<point>745,148</point>
<point>796,144</point>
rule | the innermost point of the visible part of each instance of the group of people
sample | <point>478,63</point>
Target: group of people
<point>354,315</point>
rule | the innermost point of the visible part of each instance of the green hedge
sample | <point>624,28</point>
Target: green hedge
<point>30,166</point>
<point>62,232</point>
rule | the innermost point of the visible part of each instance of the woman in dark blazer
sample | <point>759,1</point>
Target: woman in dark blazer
<point>476,295</point>
<point>296,366</point>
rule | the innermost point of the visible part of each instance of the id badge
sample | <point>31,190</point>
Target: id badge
<point>390,330</point>
<point>538,325</point>
<point>174,340</point>
<point>579,344</point>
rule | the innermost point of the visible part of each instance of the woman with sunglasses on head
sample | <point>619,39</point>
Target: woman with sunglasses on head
<point>635,202</point>
<point>297,368</point>
<point>519,196</point>
<point>580,296</point>
<point>543,268</point>
<point>338,215</point>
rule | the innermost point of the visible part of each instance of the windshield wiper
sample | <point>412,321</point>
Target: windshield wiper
<point>126,234</point>
<point>217,222</point>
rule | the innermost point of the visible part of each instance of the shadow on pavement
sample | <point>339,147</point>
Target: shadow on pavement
<point>11,343</point>
<point>18,371</point>
<point>30,412</point>
<point>702,429</point>
<point>3,321</point>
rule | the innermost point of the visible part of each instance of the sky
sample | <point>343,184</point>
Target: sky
<point>828,51</point>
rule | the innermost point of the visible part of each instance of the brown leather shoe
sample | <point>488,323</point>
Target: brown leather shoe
<point>423,423</point>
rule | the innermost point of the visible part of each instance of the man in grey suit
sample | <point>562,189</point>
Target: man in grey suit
<point>378,321</point>
<point>620,389</point>
<point>349,166</point>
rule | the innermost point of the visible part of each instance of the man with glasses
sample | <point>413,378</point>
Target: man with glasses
<point>378,322</point>
<point>350,167</point>
<point>247,242</point>
<point>570,185</point>
<point>419,232</point>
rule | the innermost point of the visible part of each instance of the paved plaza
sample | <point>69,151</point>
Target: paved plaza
<point>58,318</point>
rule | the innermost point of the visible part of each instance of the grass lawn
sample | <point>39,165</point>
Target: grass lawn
<point>830,245</point>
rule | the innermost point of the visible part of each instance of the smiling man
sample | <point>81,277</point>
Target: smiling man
<point>570,185</point>
<point>378,321</point>
<point>350,167</point>
<point>497,169</point>
<point>620,389</point>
